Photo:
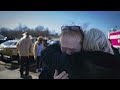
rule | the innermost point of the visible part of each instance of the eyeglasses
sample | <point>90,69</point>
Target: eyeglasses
<point>73,28</point>
<point>63,28</point>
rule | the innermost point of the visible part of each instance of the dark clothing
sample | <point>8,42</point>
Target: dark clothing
<point>38,61</point>
<point>102,65</point>
<point>47,56</point>
<point>46,74</point>
<point>24,65</point>
<point>83,65</point>
<point>115,50</point>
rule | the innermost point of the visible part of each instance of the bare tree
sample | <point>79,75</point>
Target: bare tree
<point>39,28</point>
<point>21,27</point>
<point>85,26</point>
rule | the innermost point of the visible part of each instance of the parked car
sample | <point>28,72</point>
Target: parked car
<point>5,39</point>
<point>8,50</point>
<point>53,42</point>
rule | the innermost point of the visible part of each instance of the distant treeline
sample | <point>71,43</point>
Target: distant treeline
<point>17,32</point>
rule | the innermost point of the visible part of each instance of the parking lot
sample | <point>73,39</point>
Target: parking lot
<point>11,71</point>
<point>9,60</point>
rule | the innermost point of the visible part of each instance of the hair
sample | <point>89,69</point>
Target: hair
<point>95,40</point>
<point>40,39</point>
<point>45,44</point>
<point>73,32</point>
<point>26,35</point>
<point>110,41</point>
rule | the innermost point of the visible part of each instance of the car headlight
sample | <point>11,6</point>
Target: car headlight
<point>1,48</point>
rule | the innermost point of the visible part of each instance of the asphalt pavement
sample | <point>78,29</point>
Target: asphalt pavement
<point>7,73</point>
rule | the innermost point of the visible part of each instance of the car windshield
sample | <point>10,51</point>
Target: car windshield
<point>8,43</point>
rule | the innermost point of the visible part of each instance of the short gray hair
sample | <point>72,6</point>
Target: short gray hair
<point>95,40</point>
<point>73,31</point>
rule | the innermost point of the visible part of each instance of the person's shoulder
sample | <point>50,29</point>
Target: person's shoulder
<point>102,59</point>
<point>36,42</point>
<point>52,49</point>
<point>97,53</point>
<point>54,46</point>
<point>21,39</point>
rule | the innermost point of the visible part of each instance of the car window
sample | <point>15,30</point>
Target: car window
<point>8,43</point>
<point>14,43</point>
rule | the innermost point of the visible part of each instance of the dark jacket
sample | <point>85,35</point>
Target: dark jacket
<point>116,52</point>
<point>50,56</point>
<point>84,65</point>
<point>102,65</point>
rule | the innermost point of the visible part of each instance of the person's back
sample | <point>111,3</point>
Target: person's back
<point>99,51</point>
<point>90,65</point>
<point>25,45</point>
<point>102,65</point>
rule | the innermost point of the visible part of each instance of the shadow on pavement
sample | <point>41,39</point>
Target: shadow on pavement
<point>13,66</point>
<point>27,77</point>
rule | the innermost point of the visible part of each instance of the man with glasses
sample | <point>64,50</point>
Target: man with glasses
<point>55,56</point>
<point>71,39</point>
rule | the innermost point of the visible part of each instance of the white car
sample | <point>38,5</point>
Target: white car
<point>8,49</point>
<point>8,44</point>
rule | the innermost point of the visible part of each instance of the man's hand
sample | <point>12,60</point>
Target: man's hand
<point>62,75</point>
